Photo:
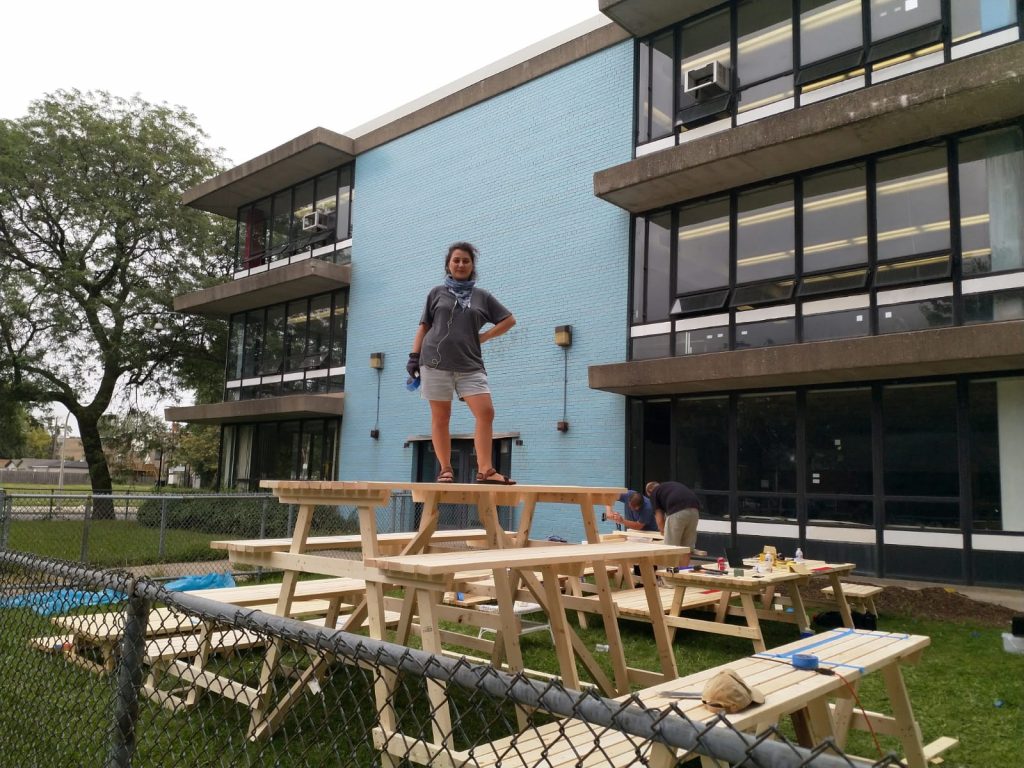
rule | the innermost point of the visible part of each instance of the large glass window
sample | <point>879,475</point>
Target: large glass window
<point>766,435</point>
<point>920,443</point>
<point>829,28</point>
<point>991,202</point>
<point>765,233</point>
<point>703,250</point>
<point>659,234</point>
<point>894,17</point>
<point>824,282</point>
<point>913,203</point>
<point>996,410</point>
<point>971,18</point>
<point>253,343</point>
<point>285,450</point>
<point>304,335</point>
<point>835,219</point>
<point>657,439</point>
<point>662,85</point>
<point>705,53</point>
<point>282,224</point>
<point>839,441</point>
<point>765,46</point>
<point>702,442</point>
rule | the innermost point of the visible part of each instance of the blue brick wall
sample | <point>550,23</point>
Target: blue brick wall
<point>514,176</point>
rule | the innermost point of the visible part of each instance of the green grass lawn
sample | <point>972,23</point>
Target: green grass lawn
<point>966,687</point>
<point>111,543</point>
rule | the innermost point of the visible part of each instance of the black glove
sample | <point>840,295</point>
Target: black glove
<point>413,366</point>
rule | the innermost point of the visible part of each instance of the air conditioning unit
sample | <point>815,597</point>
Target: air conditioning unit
<point>317,221</point>
<point>707,81</point>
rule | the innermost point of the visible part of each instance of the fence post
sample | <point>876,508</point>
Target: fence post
<point>263,532</point>
<point>50,516</point>
<point>129,680</point>
<point>6,504</point>
<point>163,526</point>
<point>87,517</point>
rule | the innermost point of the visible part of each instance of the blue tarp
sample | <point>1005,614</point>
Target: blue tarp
<point>206,581</point>
<point>60,600</point>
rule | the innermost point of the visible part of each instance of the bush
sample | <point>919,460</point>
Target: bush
<point>240,517</point>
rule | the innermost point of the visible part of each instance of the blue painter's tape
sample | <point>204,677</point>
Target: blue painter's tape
<point>805,661</point>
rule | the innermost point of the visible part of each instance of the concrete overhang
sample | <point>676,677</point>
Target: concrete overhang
<point>641,17</point>
<point>945,351</point>
<point>301,158</point>
<point>266,409</point>
<point>304,278</point>
<point>980,90</point>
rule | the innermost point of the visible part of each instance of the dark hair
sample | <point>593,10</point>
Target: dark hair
<point>462,246</point>
<point>635,500</point>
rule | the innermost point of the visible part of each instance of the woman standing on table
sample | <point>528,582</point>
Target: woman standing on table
<point>446,356</point>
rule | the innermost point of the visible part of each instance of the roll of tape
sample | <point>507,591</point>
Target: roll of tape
<point>805,661</point>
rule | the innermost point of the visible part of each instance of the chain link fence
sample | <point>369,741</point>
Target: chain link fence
<point>166,536</point>
<point>110,669</point>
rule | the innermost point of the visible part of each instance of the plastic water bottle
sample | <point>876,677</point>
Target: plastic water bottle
<point>769,562</point>
<point>799,556</point>
<point>412,383</point>
<point>601,648</point>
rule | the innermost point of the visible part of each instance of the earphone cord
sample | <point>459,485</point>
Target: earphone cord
<point>436,361</point>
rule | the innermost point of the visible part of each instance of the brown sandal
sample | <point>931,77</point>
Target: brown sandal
<point>446,476</point>
<point>489,478</point>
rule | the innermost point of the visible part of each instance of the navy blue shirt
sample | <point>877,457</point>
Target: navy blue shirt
<point>644,515</point>
<point>671,496</point>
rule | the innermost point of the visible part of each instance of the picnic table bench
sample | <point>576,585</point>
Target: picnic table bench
<point>820,705</point>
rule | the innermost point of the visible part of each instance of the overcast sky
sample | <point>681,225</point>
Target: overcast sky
<point>259,73</point>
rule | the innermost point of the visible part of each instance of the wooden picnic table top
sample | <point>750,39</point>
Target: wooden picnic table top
<point>850,653</point>
<point>346,541</point>
<point>751,581</point>
<point>444,563</point>
<point>353,491</point>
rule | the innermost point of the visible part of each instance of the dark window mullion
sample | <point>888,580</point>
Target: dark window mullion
<point>673,270</point>
<point>798,252</point>
<point>733,207</point>
<point>946,14</point>
<point>872,206</point>
<point>801,465</point>
<point>865,17</point>
<point>955,239</point>
<point>733,467</point>
<point>963,434</point>
<point>878,475</point>
<point>734,59</point>
<point>794,13</point>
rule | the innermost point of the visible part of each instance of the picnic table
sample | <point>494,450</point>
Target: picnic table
<point>749,587</point>
<point>820,706</point>
<point>304,554</point>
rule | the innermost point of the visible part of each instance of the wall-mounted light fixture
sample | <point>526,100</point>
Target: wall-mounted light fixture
<point>377,363</point>
<point>563,338</point>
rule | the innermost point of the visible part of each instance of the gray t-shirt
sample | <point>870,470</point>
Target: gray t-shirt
<point>453,341</point>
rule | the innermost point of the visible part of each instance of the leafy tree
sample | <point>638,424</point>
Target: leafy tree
<point>94,245</point>
<point>199,449</point>
<point>38,444</point>
<point>130,437</point>
<point>14,427</point>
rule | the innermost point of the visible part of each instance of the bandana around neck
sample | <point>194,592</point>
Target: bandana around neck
<point>462,290</point>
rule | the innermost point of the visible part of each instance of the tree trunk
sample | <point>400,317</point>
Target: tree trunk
<point>99,472</point>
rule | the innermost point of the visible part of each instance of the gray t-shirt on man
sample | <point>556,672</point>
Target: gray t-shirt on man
<point>453,341</point>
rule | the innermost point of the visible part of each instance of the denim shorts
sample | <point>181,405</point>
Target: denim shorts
<point>436,384</point>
